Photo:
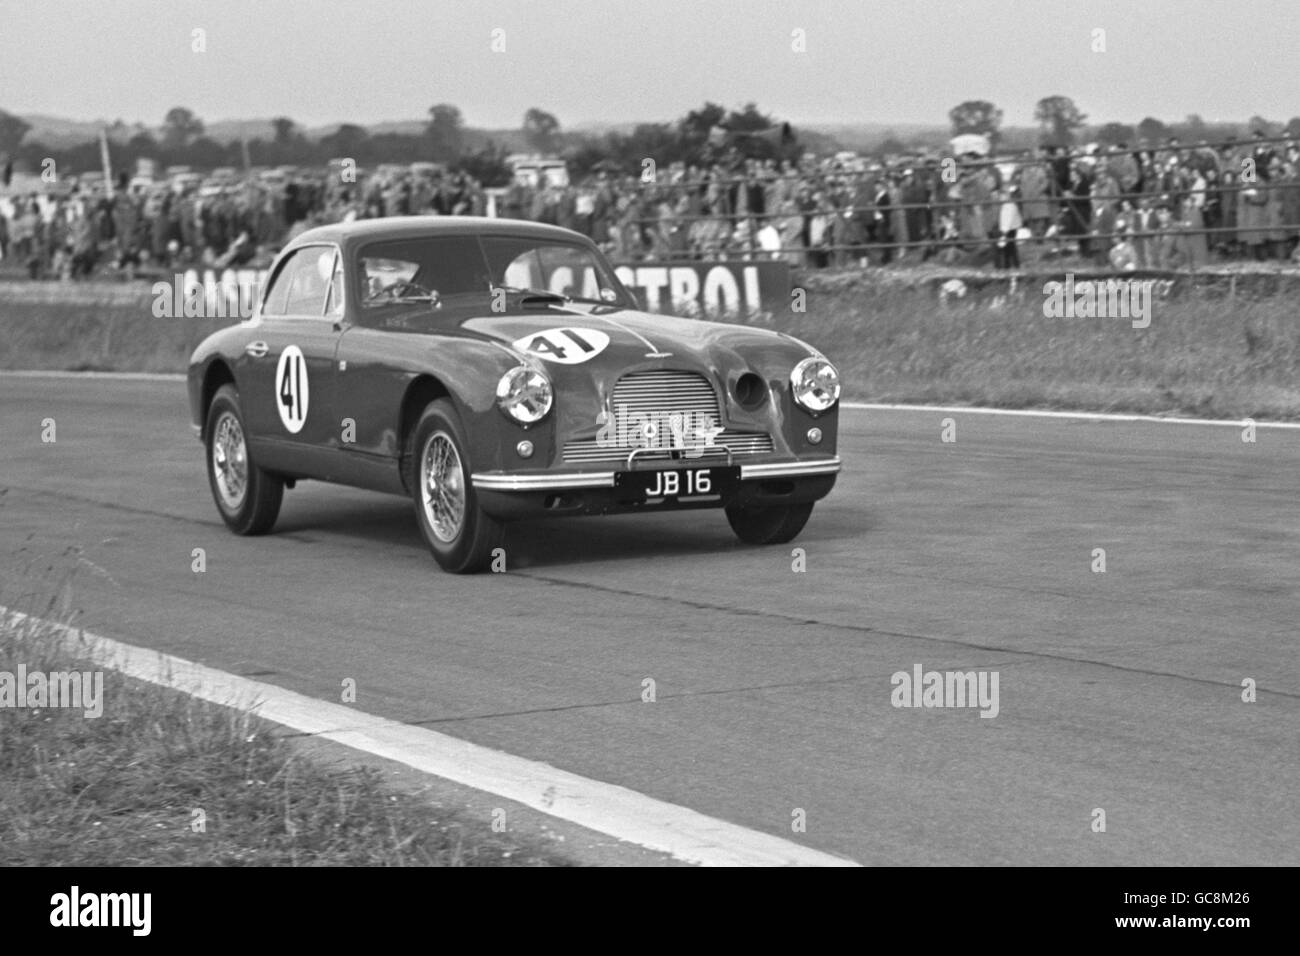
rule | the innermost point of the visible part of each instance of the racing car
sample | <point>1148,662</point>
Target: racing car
<point>492,370</point>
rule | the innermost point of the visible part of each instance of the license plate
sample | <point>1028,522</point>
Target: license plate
<point>685,483</point>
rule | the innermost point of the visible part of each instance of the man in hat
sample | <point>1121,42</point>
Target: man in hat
<point>1078,207</point>
<point>1035,184</point>
<point>1142,231</point>
<point>1252,212</point>
<point>880,228</point>
<point>1170,252</point>
<point>1009,223</point>
<point>916,201</point>
<point>1263,154</point>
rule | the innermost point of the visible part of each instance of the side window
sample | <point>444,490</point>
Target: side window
<point>301,285</point>
<point>334,300</point>
<point>310,281</point>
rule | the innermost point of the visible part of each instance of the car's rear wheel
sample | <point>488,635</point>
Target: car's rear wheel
<point>247,497</point>
<point>775,524</point>
<point>460,534</point>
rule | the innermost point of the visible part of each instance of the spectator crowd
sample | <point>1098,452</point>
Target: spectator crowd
<point>243,221</point>
<point>1171,207</point>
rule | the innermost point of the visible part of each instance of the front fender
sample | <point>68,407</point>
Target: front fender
<point>389,379</point>
<point>471,371</point>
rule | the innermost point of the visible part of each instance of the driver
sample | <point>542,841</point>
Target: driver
<point>371,283</point>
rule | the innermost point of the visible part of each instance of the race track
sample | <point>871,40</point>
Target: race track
<point>1118,690</point>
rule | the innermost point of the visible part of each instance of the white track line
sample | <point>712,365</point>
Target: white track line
<point>613,810</point>
<point>1036,413</point>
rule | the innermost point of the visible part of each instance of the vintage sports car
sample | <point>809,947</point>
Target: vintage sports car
<point>497,369</point>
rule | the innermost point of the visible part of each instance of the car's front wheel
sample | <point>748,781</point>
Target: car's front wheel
<point>775,524</point>
<point>461,535</point>
<point>247,497</point>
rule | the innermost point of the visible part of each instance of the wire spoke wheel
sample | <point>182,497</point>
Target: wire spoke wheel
<point>437,468</point>
<point>230,461</point>
<point>247,498</point>
<point>442,487</point>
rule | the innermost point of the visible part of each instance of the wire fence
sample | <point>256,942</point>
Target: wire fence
<point>1232,195</point>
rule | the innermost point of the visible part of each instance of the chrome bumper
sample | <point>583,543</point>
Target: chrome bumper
<point>500,481</point>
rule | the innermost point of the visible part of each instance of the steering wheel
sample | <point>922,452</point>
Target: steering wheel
<point>399,290</point>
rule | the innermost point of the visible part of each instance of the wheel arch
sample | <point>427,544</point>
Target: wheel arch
<point>420,392</point>
<point>218,373</point>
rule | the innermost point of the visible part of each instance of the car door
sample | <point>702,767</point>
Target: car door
<point>372,371</point>
<point>287,380</point>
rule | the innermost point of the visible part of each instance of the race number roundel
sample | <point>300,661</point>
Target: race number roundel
<point>291,392</point>
<point>566,346</point>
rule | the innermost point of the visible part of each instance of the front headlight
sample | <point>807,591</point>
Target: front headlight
<point>525,395</point>
<point>815,384</point>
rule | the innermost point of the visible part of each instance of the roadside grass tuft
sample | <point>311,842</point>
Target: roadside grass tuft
<point>122,789</point>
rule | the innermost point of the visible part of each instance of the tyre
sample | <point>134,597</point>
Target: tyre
<point>247,497</point>
<point>461,535</point>
<point>772,525</point>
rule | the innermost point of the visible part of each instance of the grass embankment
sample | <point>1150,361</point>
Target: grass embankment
<point>93,327</point>
<point>1206,352</point>
<point>122,789</point>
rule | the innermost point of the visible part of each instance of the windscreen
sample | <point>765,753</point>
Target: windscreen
<point>398,270</point>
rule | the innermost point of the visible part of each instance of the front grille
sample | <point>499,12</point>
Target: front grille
<point>655,396</point>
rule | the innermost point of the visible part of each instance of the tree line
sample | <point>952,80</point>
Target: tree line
<point>706,134</point>
<point>701,135</point>
<point>1062,123</point>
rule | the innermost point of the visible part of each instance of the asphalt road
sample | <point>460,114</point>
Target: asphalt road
<point>1118,690</point>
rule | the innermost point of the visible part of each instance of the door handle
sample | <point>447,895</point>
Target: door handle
<point>256,349</point>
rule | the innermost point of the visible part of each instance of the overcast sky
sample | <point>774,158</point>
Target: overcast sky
<point>323,61</point>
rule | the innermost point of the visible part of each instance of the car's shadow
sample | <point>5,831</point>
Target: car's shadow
<point>551,542</point>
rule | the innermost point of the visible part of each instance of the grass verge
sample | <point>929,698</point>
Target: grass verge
<point>1210,350</point>
<point>122,789</point>
<point>1206,353</point>
<point>93,327</point>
